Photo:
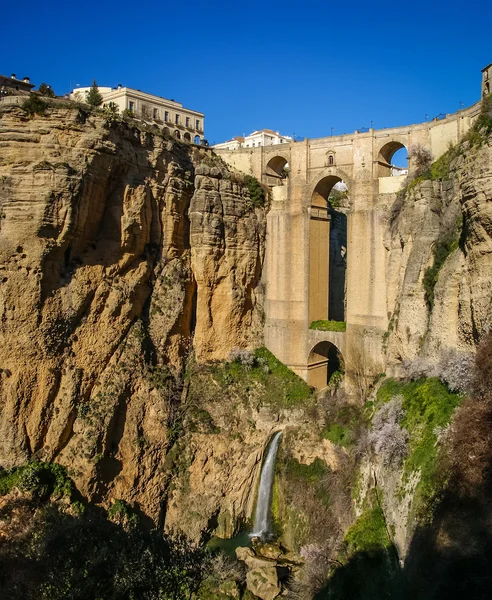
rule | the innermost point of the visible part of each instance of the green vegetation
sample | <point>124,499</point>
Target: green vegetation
<point>343,427</point>
<point>323,325</point>
<point>429,406</point>
<point>257,377</point>
<point>46,90</point>
<point>368,533</point>
<point>337,198</point>
<point>256,191</point>
<point>310,474</point>
<point>41,479</point>
<point>482,127</point>
<point>58,550</point>
<point>34,105</point>
<point>94,97</point>
<point>338,434</point>
<point>441,250</point>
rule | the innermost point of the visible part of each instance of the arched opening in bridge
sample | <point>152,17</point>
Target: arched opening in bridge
<point>328,250</point>
<point>324,361</point>
<point>165,131</point>
<point>276,171</point>
<point>393,160</point>
<point>187,137</point>
<point>196,139</point>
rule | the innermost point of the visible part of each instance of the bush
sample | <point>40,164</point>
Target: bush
<point>243,357</point>
<point>387,436</point>
<point>421,159</point>
<point>41,479</point>
<point>46,90</point>
<point>34,105</point>
<point>256,191</point>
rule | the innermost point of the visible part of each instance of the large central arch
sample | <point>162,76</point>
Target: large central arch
<point>327,253</point>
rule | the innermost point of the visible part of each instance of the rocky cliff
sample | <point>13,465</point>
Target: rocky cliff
<point>116,247</point>
<point>439,242</point>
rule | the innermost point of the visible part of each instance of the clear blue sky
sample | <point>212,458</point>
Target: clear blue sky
<point>297,67</point>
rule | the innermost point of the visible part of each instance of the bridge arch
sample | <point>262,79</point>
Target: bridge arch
<point>328,250</point>
<point>385,158</point>
<point>324,360</point>
<point>276,170</point>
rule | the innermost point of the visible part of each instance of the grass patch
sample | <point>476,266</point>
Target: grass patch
<point>368,533</point>
<point>265,380</point>
<point>323,325</point>
<point>428,405</point>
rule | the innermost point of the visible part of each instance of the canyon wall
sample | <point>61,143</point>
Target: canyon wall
<point>120,252</point>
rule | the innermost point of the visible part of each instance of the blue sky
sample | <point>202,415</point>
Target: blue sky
<point>297,67</point>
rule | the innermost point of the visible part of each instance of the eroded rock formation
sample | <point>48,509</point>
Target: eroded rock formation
<point>116,245</point>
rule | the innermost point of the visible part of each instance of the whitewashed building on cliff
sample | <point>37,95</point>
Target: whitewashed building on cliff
<point>263,137</point>
<point>182,123</point>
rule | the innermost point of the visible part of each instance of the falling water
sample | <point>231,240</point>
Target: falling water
<point>262,524</point>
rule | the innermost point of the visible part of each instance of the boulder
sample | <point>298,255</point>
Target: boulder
<point>263,582</point>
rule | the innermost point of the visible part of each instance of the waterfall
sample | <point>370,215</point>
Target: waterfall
<point>262,517</point>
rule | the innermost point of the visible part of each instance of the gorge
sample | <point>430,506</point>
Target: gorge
<point>136,276</point>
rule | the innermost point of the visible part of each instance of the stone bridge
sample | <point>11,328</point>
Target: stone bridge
<point>322,264</point>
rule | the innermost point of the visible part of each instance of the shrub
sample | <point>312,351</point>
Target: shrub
<point>456,370</point>
<point>39,478</point>
<point>243,357</point>
<point>387,436</point>
<point>34,105</point>
<point>256,191</point>
<point>46,90</point>
<point>111,112</point>
<point>421,159</point>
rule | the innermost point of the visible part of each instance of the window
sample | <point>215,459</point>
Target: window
<point>330,159</point>
<point>197,124</point>
<point>187,121</point>
<point>166,116</point>
<point>131,106</point>
<point>176,119</point>
<point>281,141</point>
<point>156,113</point>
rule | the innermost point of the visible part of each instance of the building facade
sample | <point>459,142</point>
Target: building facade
<point>182,123</point>
<point>486,80</point>
<point>263,137</point>
<point>11,86</point>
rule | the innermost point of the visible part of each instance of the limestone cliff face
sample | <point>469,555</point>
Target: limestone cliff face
<point>458,206</point>
<point>119,250</point>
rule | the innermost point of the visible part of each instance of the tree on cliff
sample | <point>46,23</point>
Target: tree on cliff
<point>93,96</point>
<point>46,90</point>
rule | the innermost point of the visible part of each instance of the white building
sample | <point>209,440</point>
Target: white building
<point>181,122</point>
<point>264,137</point>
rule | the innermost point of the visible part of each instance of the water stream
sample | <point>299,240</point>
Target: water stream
<point>262,525</point>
